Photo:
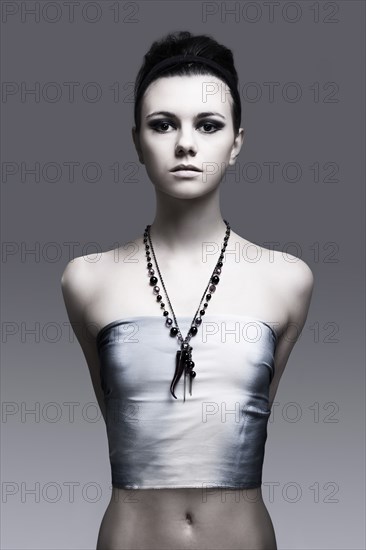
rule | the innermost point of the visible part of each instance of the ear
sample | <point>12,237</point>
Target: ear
<point>136,140</point>
<point>238,142</point>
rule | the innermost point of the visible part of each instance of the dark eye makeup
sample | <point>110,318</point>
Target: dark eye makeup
<point>156,125</point>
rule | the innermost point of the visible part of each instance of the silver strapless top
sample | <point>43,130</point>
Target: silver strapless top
<point>216,438</point>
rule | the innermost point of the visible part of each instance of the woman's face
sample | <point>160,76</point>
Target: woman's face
<point>175,131</point>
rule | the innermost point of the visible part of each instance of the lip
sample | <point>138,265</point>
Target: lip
<point>186,173</point>
<point>185,168</point>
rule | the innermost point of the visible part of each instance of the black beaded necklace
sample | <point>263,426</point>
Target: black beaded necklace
<point>183,360</point>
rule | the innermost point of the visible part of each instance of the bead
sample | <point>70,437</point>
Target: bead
<point>218,270</point>
<point>202,312</point>
<point>165,313</point>
<point>185,346</point>
<point>151,271</point>
<point>158,298</point>
<point>212,288</point>
<point>156,290</point>
<point>149,264</point>
<point>198,320</point>
<point>193,374</point>
<point>173,331</point>
<point>215,279</point>
<point>162,305</point>
<point>208,297</point>
<point>193,330</point>
<point>168,321</point>
<point>153,281</point>
<point>205,305</point>
<point>220,264</point>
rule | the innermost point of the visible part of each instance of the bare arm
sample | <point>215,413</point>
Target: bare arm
<point>299,284</point>
<point>77,288</point>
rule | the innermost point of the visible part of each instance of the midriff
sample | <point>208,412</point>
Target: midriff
<point>194,518</point>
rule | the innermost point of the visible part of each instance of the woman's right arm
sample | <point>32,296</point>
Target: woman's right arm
<point>77,288</point>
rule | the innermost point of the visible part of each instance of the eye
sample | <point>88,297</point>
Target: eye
<point>158,124</point>
<point>161,126</point>
<point>216,126</point>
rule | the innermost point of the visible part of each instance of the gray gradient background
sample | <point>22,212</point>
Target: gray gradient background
<point>326,368</point>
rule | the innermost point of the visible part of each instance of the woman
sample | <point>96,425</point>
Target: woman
<point>185,474</point>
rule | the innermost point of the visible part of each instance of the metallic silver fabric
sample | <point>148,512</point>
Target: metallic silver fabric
<point>216,438</point>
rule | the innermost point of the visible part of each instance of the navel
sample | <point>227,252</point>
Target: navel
<point>189,519</point>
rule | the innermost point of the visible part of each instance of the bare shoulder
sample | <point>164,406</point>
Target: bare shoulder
<point>84,273</point>
<point>76,268</point>
<point>296,282</point>
<point>86,281</point>
<point>77,281</point>
<point>79,285</point>
<point>288,273</point>
<point>299,276</point>
<point>296,271</point>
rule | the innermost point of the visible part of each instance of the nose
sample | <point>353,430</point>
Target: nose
<point>186,141</point>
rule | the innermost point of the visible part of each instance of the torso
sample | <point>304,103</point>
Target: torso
<point>187,518</point>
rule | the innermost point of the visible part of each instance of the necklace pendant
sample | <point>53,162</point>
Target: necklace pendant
<point>183,364</point>
<point>179,367</point>
<point>190,384</point>
<point>188,372</point>
<point>184,385</point>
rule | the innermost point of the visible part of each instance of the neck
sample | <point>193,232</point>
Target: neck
<point>185,227</point>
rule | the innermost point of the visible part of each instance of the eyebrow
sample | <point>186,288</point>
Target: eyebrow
<point>200,115</point>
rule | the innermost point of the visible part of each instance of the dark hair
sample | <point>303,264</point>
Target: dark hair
<point>184,43</point>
